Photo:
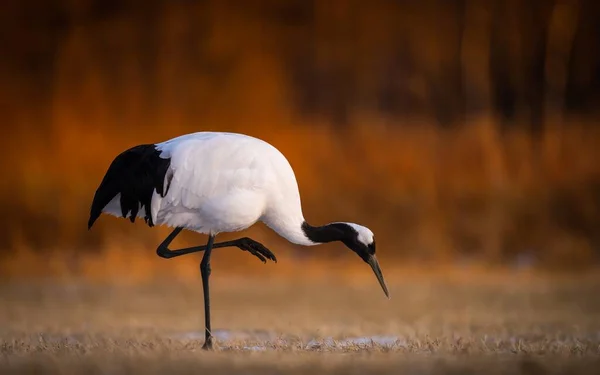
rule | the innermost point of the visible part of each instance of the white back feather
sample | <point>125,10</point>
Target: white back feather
<point>224,182</point>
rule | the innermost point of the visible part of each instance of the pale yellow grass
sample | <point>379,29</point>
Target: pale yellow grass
<point>442,325</point>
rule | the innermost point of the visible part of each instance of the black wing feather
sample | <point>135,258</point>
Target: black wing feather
<point>135,174</point>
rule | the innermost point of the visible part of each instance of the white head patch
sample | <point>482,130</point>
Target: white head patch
<point>364,234</point>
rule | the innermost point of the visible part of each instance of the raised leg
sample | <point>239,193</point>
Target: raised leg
<point>205,271</point>
<point>247,244</point>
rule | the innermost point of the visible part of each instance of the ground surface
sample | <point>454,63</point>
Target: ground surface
<point>512,326</point>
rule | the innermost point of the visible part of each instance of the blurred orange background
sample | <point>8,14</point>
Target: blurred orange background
<point>460,131</point>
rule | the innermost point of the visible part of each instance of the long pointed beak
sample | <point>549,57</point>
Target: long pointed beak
<point>374,263</point>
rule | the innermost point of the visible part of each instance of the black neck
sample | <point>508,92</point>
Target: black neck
<point>325,233</point>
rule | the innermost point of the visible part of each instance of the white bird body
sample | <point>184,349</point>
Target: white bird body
<point>225,182</point>
<point>211,182</point>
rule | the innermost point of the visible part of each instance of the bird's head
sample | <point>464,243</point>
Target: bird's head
<point>361,240</point>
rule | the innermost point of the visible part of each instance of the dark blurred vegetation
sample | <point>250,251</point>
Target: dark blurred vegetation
<point>455,129</point>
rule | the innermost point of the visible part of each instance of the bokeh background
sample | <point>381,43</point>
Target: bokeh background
<point>462,132</point>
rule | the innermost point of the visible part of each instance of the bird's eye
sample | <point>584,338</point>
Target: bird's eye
<point>371,247</point>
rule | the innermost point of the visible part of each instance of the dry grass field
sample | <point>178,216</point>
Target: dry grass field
<point>517,324</point>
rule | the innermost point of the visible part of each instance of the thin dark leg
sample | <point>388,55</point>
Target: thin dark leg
<point>205,271</point>
<point>163,249</point>
<point>246,244</point>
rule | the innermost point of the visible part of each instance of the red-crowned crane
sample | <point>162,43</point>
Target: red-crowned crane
<point>214,182</point>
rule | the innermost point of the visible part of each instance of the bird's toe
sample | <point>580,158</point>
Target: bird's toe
<point>266,253</point>
<point>257,249</point>
<point>259,256</point>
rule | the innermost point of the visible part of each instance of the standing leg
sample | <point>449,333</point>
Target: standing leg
<point>205,271</point>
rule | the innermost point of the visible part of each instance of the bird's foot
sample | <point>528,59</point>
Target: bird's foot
<point>208,344</point>
<point>257,249</point>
